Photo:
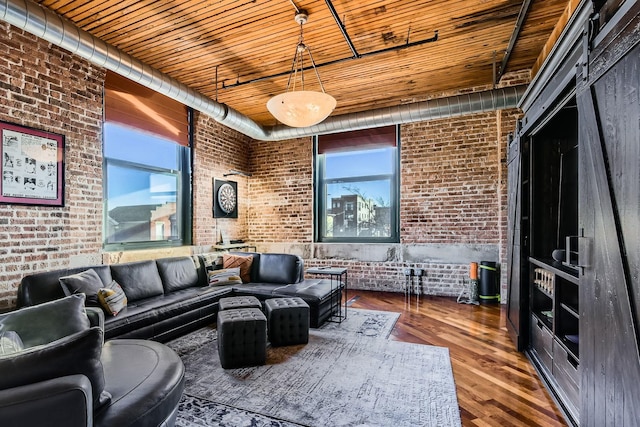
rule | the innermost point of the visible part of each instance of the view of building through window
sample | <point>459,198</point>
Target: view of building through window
<point>142,190</point>
<point>358,193</point>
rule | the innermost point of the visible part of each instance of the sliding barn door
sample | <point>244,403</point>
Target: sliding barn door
<point>517,294</point>
<point>609,211</point>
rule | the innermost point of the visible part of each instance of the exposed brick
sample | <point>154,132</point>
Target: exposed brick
<point>453,178</point>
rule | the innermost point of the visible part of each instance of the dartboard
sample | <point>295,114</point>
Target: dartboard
<point>227,198</point>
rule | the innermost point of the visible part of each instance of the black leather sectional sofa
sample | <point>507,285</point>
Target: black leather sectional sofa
<point>77,380</point>
<point>171,296</point>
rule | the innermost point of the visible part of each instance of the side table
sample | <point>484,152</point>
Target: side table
<point>338,278</point>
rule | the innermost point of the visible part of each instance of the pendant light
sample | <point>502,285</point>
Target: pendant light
<point>298,107</point>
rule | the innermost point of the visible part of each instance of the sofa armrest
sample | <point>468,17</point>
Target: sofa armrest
<point>61,401</point>
<point>96,316</point>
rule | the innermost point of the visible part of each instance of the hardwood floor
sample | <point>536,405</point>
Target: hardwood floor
<point>496,385</point>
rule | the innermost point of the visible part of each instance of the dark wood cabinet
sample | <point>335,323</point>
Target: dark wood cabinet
<point>548,229</point>
<point>578,316</point>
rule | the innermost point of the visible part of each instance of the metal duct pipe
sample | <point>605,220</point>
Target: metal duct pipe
<point>49,26</point>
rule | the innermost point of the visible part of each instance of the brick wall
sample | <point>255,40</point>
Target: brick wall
<point>281,207</point>
<point>216,151</point>
<point>453,199</point>
<point>46,88</point>
<point>453,185</point>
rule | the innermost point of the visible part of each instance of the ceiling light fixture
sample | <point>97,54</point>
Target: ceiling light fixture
<point>301,108</point>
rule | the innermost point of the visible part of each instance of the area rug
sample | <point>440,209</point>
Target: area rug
<point>343,377</point>
<point>368,323</point>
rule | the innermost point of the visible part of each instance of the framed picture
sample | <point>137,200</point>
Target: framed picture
<point>225,199</point>
<point>32,166</point>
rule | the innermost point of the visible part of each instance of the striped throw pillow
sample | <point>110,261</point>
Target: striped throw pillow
<point>112,298</point>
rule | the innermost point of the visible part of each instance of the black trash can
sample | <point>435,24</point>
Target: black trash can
<point>488,289</point>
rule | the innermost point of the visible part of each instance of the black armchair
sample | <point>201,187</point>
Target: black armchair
<point>58,371</point>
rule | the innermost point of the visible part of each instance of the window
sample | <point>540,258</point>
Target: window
<point>357,186</point>
<point>146,168</point>
<point>144,193</point>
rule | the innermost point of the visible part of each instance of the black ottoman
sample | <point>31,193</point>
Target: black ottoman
<point>231,303</point>
<point>242,338</point>
<point>288,320</point>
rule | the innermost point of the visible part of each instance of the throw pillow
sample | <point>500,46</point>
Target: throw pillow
<point>87,282</point>
<point>10,343</point>
<point>78,353</point>
<point>225,276</point>
<point>211,261</point>
<point>46,322</point>
<point>112,298</point>
<point>241,261</point>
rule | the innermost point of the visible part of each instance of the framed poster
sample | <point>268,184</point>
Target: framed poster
<point>32,166</point>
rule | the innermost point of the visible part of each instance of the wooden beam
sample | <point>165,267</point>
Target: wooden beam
<point>555,35</point>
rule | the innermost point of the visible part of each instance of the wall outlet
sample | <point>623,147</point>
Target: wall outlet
<point>419,272</point>
<point>408,271</point>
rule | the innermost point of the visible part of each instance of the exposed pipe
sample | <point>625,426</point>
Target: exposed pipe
<point>336,61</point>
<point>49,26</point>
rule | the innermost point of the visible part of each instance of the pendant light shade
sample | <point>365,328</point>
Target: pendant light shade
<point>301,108</point>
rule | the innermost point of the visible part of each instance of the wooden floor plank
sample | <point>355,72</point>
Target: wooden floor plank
<point>496,385</point>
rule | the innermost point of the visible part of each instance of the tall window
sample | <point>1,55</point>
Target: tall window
<point>147,171</point>
<point>357,186</point>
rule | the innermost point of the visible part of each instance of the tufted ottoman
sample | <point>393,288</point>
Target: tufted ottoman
<point>242,338</point>
<point>231,303</point>
<point>288,320</point>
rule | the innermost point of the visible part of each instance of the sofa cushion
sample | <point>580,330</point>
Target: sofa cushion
<point>139,318</point>
<point>311,290</point>
<point>45,286</point>
<point>43,323</point>
<point>279,268</point>
<point>112,298</point>
<point>243,262</point>
<point>78,353</point>
<point>86,282</point>
<point>139,279</point>
<point>178,273</point>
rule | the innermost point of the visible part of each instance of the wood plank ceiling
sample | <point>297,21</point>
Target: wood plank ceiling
<point>251,40</point>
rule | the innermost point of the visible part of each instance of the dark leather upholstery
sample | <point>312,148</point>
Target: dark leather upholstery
<point>48,321</point>
<point>178,273</point>
<point>139,280</point>
<point>76,381</point>
<point>146,381</point>
<point>166,298</point>
<point>242,338</point>
<point>77,353</point>
<point>42,287</point>
<point>277,268</point>
<point>231,303</point>
<point>287,321</point>
<point>64,401</point>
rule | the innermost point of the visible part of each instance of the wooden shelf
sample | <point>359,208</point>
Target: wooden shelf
<point>570,310</point>
<point>557,268</point>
